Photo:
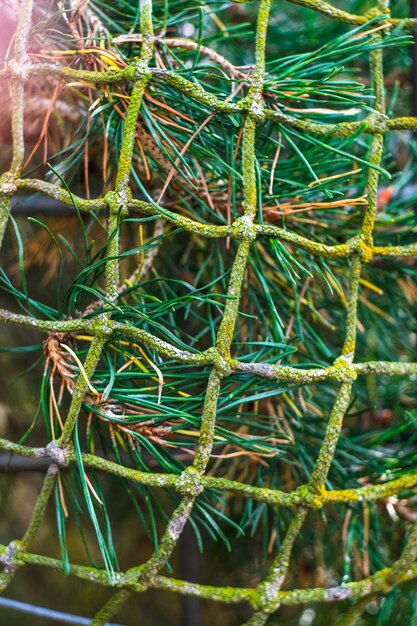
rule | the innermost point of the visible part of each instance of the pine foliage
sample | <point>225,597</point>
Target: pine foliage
<point>232,329</point>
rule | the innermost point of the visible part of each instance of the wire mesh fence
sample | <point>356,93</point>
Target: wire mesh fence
<point>357,252</point>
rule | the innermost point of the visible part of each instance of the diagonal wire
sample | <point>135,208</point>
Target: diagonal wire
<point>358,251</point>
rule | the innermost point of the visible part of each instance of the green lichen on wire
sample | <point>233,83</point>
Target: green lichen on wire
<point>190,483</point>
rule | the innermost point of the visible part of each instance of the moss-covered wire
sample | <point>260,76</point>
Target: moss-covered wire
<point>359,251</point>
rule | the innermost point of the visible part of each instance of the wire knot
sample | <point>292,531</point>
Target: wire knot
<point>359,245</point>
<point>61,455</point>
<point>121,198</point>
<point>8,558</point>
<point>348,372</point>
<point>8,186</point>
<point>222,366</point>
<point>189,483</point>
<point>381,10</point>
<point>377,123</point>
<point>19,69</point>
<point>142,72</point>
<point>257,110</point>
<point>101,326</point>
<point>243,229</point>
